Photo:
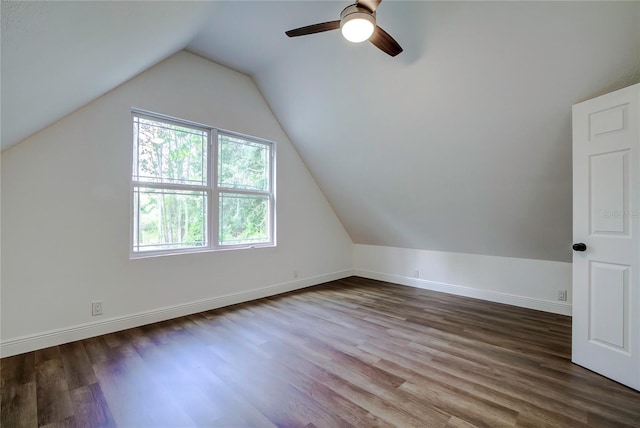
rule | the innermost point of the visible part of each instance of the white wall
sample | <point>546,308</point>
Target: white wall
<point>66,209</point>
<point>522,282</point>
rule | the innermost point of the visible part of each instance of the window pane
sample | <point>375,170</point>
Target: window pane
<point>168,153</point>
<point>169,219</point>
<point>242,164</point>
<point>243,219</point>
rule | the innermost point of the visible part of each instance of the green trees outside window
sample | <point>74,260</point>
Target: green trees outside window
<point>243,166</point>
<point>180,192</point>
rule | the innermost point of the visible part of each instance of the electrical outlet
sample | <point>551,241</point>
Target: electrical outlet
<point>96,308</point>
<point>562,295</point>
<point>416,273</point>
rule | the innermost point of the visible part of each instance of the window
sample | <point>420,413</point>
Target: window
<point>199,188</point>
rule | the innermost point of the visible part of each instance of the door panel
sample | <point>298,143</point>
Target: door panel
<point>608,120</point>
<point>606,189</point>
<point>609,192</point>
<point>608,323</point>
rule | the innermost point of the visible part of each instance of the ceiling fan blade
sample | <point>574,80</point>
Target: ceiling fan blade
<point>372,5</point>
<point>315,28</point>
<point>383,41</point>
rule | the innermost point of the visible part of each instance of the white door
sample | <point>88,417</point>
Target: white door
<point>606,214</point>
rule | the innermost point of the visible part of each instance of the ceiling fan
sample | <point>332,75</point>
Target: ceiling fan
<point>358,24</point>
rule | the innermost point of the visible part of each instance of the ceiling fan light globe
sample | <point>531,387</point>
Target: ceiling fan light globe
<point>357,30</point>
<point>356,24</point>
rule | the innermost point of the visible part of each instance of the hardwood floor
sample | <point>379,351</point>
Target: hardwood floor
<point>353,352</point>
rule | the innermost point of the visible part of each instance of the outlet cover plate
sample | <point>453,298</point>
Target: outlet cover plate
<point>96,308</point>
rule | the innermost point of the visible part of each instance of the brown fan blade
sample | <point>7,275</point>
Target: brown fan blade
<point>383,41</point>
<point>372,5</point>
<point>315,28</point>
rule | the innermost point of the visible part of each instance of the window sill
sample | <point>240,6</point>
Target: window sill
<point>154,254</point>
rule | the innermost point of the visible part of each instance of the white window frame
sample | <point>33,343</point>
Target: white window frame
<point>211,188</point>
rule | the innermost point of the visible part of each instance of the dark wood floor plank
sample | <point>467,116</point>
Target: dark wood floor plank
<point>291,408</point>
<point>255,372</point>
<point>19,405</point>
<point>91,408</point>
<point>53,400</point>
<point>302,381</point>
<point>188,368</point>
<point>202,394</point>
<point>332,374</point>
<point>18,369</point>
<point>320,357</point>
<point>329,399</point>
<point>77,366</point>
<point>235,410</point>
<point>353,352</point>
<point>69,422</point>
<point>388,411</point>
<point>46,354</point>
<point>466,405</point>
<point>97,350</point>
<point>132,393</point>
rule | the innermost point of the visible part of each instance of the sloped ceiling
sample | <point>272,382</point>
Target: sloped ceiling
<point>461,143</point>
<point>59,55</point>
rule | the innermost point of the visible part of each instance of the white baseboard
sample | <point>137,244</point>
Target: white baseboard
<point>84,331</point>
<point>459,290</point>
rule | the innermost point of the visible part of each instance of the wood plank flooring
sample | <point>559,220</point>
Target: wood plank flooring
<point>353,352</point>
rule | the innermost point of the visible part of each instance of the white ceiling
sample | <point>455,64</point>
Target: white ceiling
<point>461,143</point>
<point>59,55</point>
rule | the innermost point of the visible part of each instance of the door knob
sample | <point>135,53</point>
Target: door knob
<point>579,247</point>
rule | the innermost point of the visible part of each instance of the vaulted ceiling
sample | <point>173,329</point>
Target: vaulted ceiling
<point>461,143</point>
